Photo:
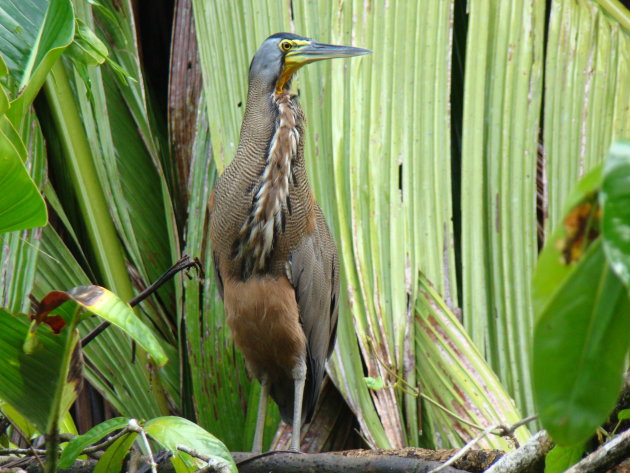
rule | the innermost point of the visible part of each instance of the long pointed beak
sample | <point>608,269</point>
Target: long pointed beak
<point>311,52</point>
<point>315,51</point>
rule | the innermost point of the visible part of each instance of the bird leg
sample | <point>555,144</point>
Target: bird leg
<point>299,379</point>
<point>260,418</point>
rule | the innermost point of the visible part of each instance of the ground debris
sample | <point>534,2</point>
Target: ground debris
<point>474,461</point>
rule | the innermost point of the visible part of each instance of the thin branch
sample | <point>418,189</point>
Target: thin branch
<point>105,443</point>
<point>449,412</point>
<point>31,449</point>
<point>416,392</point>
<point>214,464</point>
<point>184,263</point>
<point>523,458</point>
<point>37,457</point>
<point>464,449</point>
<point>22,451</point>
<point>135,427</point>
<point>606,456</point>
<point>509,430</point>
<point>501,430</point>
<point>91,450</point>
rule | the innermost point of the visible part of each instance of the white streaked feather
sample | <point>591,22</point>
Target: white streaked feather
<point>257,235</point>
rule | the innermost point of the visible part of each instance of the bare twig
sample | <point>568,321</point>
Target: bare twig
<point>31,449</point>
<point>135,427</point>
<point>184,263</point>
<point>606,456</point>
<point>105,443</point>
<point>519,460</point>
<point>501,430</point>
<point>213,464</point>
<point>22,451</point>
<point>65,437</point>
<point>414,391</point>
<point>11,469</point>
<point>464,449</point>
<point>39,460</point>
<point>508,431</point>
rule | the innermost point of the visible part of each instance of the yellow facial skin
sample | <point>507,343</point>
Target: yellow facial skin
<point>292,61</point>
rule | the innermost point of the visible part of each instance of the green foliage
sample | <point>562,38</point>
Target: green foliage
<point>374,383</point>
<point>28,348</point>
<point>173,431</point>
<point>586,98</point>
<point>560,458</point>
<point>43,363</point>
<point>18,421</point>
<point>48,345</point>
<point>109,173</point>
<point>38,34</point>
<point>169,432</point>
<point>583,310</point>
<point>111,308</point>
<point>96,433</point>
<point>579,349</point>
<point>615,201</point>
<point>112,459</point>
<point>21,205</point>
<point>454,375</point>
<point>87,48</point>
<point>52,355</point>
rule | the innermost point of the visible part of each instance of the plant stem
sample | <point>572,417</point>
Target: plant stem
<point>103,238</point>
<point>52,445</point>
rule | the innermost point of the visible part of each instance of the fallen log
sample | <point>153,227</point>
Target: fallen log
<point>278,462</point>
<point>291,462</point>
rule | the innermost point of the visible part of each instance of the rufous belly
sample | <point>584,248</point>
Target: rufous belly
<point>263,316</point>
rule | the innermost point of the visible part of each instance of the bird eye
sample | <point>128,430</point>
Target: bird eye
<point>285,45</point>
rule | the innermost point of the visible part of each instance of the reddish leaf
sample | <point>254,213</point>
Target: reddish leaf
<point>50,302</point>
<point>581,227</point>
<point>85,295</point>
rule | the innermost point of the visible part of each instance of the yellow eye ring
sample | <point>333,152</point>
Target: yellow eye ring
<point>285,45</point>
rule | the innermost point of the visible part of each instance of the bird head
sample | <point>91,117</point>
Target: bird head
<point>282,54</point>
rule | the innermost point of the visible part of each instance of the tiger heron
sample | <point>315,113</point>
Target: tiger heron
<point>275,261</point>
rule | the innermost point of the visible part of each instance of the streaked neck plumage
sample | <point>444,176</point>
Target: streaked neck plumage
<point>278,143</point>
